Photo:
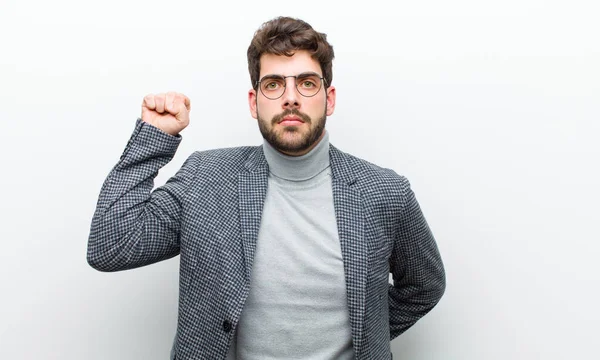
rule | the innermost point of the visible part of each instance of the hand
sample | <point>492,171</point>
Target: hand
<point>169,112</point>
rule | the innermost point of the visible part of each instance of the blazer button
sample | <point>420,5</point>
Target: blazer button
<point>227,326</point>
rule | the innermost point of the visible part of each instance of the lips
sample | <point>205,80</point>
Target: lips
<point>291,120</point>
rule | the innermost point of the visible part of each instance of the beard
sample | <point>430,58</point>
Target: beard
<point>299,142</point>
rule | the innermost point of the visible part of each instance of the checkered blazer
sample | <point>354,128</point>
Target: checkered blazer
<point>209,213</point>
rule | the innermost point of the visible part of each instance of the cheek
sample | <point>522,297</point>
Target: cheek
<point>266,107</point>
<point>315,105</point>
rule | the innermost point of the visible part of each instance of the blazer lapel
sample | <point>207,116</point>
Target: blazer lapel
<point>348,206</point>
<point>252,187</point>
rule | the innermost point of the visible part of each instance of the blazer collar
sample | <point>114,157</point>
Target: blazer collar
<point>340,164</point>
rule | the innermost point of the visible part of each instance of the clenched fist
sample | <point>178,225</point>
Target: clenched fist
<point>169,112</point>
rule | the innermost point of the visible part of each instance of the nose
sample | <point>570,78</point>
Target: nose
<point>291,97</point>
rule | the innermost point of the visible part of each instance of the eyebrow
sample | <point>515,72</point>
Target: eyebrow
<point>303,74</point>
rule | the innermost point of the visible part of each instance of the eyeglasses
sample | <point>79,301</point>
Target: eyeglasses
<point>273,86</point>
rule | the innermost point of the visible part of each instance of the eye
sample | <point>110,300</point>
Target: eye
<point>308,84</point>
<point>273,84</point>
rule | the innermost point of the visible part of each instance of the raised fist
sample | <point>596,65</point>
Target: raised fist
<point>169,112</point>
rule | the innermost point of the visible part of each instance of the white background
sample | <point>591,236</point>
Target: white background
<point>491,109</point>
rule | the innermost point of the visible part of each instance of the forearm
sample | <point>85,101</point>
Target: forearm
<point>416,266</point>
<point>410,302</point>
<point>131,226</point>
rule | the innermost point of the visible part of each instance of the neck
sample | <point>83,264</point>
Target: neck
<point>299,167</point>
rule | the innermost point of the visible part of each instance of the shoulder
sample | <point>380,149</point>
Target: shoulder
<point>370,176</point>
<point>232,157</point>
<point>222,162</point>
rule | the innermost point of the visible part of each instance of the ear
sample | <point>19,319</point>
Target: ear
<point>252,103</point>
<point>330,100</point>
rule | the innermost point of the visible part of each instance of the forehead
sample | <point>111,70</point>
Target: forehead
<point>298,63</point>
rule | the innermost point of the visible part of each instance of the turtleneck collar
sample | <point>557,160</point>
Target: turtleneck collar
<point>298,168</point>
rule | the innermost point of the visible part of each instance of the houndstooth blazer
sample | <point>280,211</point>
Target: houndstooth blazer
<point>209,213</point>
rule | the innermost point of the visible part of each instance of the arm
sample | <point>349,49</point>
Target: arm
<point>416,266</point>
<point>133,226</point>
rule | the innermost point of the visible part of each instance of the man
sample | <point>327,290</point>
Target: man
<point>286,247</point>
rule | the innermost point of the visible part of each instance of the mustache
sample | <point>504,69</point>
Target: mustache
<point>277,118</point>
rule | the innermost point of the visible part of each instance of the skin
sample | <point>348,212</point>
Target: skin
<point>169,112</point>
<point>291,136</point>
<point>293,120</point>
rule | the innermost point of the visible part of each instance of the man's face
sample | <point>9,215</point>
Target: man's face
<point>293,123</point>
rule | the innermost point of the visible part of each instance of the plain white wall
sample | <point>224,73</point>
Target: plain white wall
<point>491,109</point>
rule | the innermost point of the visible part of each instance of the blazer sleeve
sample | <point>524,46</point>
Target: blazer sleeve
<point>418,273</point>
<point>132,225</point>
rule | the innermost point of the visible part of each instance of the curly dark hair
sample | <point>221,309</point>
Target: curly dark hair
<point>284,36</point>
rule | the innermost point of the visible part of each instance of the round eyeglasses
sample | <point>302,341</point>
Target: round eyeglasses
<point>307,84</point>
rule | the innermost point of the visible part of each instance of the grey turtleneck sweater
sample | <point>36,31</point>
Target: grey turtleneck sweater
<point>297,305</point>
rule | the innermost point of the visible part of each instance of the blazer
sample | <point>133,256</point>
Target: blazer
<point>209,213</point>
